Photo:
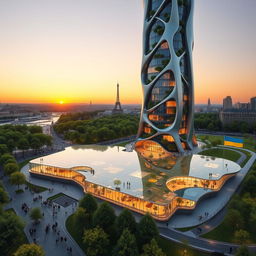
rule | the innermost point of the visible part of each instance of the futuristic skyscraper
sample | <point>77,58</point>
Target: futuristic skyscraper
<point>167,76</point>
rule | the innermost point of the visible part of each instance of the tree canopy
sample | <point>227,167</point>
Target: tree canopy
<point>147,229</point>
<point>96,242</point>
<point>104,217</point>
<point>29,250</point>
<point>88,202</point>
<point>11,229</point>
<point>35,214</point>
<point>17,178</point>
<point>126,245</point>
<point>152,249</point>
<point>126,221</point>
<point>95,129</point>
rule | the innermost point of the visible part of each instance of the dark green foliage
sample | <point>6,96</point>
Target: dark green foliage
<point>17,178</point>
<point>35,129</point>
<point>96,242</point>
<point>89,203</point>
<point>35,214</point>
<point>10,168</point>
<point>22,137</point>
<point>104,217</point>
<point>152,249</point>
<point>77,116</point>
<point>211,121</point>
<point>126,221</point>
<point>147,229</point>
<point>4,198</point>
<point>11,231</point>
<point>242,236</point>
<point>6,158</point>
<point>82,219</point>
<point>234,219</point>
<point>3,149</point>
<point>126,245</point>
<point>242,251</point>
<point>97,129</point>
<point>208,121</point>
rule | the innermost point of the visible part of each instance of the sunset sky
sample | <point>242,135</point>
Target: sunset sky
<point>76,50</point>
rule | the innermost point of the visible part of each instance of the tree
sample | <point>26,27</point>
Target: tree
<point>17,178</point>
<point>11,144</point>
<point>234,219</point>
<point>35,214</point>
<point>126,220</point>
<point>242,251</point>
<point>117,182</point>
<point>35,143</point>
<point>96,242</point>
<point>11,230</point>
<point>35,129</point>
<point>3,149</point>
<point>147,229</point>
<point>126,245</point>
<point>23,144</point>
<point>3,196</point>
<point>104,217</point>
<point>29,250</point>
<point>242,236</point>
<point>89,203</point>
<point>152,249</point>
<point>82,219</point>
<point>6,157</point>
<point>10,168</point>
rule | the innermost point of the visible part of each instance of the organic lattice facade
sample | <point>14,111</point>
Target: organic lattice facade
<point>167,77</point>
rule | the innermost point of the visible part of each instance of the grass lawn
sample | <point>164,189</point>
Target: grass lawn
<point>248,156</point>
<point>55,196</point>
<point>73,231</point>
<point>35,188</point>
<point>23,239</point>
<point>249,140</point>
<point>225,234</point>
<point>211,138</point>
<point>222,153</point>
<point>174,249</point>
<point>169,247</point>
<point>19,191</point>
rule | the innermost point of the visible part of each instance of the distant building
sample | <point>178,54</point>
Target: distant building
<point>209,106</point>
<point>227,103</point>
<point>253,104</point>
<point>239,115</point>
<point>242,106</point>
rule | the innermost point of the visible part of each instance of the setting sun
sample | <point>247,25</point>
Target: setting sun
<point>61,102</point>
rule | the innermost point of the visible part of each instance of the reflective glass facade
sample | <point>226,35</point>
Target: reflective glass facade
<point>160,183</point>
<point>167,77</point>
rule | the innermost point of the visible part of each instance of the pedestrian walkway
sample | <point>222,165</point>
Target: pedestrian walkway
<point>47,241</point>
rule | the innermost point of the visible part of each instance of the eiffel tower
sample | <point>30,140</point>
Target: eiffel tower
<point>117,109</point>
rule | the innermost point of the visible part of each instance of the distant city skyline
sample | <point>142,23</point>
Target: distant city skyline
<point>69,52</point>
